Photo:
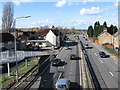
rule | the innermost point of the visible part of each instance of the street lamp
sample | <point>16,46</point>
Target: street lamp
<point>15,37</point>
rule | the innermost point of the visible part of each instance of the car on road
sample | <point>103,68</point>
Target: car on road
<point>57,62</point>
<point>62,84</point>
<point>66,47</point>
<point>103,54</point>
<point>86,39</point>
<point>87,46</point>
<point>73,56</point>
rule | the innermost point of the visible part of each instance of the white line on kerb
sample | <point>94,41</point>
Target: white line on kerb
<point>111,73</point>
<point>95,54</point>
<point>100,60</point>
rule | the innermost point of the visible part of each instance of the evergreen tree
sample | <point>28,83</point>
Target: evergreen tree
<point>90,31</point>
<point>105,25</point>
<point>112,29</point>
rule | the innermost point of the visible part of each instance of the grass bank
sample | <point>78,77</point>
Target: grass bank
<point>8,81</point>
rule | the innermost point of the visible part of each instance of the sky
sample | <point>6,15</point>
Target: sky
<point>78,14</point>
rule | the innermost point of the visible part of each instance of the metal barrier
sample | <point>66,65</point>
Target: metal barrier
<point>87,81</point>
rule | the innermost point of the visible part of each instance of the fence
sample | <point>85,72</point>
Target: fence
<point>9,56</point>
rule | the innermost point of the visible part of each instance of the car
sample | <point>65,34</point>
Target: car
<point>33,48</point>
<point>103,54</point>
<point>66,47</point>
<point>63,84</point>
<point>86,39</point>
<point>73,57</point>
<point>56,47</point>
<point>57,62</point>
<point>86,46</point>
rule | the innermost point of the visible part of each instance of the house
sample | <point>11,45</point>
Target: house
<point>105,37</point>
<point>116,39</point>
<point>52,37</point>
<point>6,41</point>
<point>22,40</point>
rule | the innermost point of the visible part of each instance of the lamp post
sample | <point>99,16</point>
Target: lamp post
<point>15,37</point>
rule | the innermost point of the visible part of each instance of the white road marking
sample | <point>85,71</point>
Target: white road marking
<point>70,72</point>
<point>95,54</point>
<point>111,73</point>
<point>92,49</point>
<point>70,69</point>
<point>115,62</point>
<point>100,60</point>
<point>59,75</point>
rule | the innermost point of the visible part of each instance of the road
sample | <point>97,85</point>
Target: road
<point>107,67</point>
<point>71,70</point>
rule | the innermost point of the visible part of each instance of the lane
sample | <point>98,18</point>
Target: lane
<point>106,66</point>
<point>71,70</point>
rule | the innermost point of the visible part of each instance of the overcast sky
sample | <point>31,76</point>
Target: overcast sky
<point>63,13</point>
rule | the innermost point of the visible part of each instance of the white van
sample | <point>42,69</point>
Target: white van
<point>62,84</point>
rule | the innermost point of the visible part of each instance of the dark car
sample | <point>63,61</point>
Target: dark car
<point>103,54</point>
<point>33,48</point>
<point>73,57</point>
<point>57,62</point>
<point>86,39</point>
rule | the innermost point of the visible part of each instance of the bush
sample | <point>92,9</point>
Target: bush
<point>3,79</point>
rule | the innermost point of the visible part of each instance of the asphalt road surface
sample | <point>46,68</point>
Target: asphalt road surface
<point>107,67</point>
<point>71,70</point>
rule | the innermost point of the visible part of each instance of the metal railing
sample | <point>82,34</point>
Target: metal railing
<point>9,56</point>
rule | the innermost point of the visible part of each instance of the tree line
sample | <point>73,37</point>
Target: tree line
<point>94,31</point>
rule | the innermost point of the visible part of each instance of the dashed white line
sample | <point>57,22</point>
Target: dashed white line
<point>100,60</point>
<point>95,54</point>
<point>70,69</point>
<point>111,73</point>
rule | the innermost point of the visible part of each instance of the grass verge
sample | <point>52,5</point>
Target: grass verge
<point>8,81</point>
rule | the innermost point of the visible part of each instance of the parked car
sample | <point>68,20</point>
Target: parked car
<point>57,62</point>
<point>62,84</point>
<point>73,56</point>
<point>103,54</point>
<point>33,48</point>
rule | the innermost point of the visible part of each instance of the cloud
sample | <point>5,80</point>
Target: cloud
<point>17,2</point>
<point>92,10</point>
<point>60,3</point>
<point>85,1</point>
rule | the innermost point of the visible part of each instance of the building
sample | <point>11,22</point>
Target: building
<point>116,39</point>
<point>52,37</point>
<point>6,41</point>
<point>105,37</point>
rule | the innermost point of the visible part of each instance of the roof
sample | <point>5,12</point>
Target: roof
<point>117,33</point>
<point>103,33</point>
<point>5,37</point>
<point>44,32</point>
<point>62,81</point>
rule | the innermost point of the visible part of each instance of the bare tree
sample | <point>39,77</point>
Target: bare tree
<point>7,19</point>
